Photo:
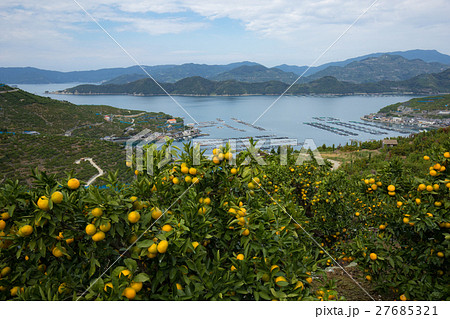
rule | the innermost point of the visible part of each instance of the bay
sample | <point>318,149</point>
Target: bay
<point>282,118</point>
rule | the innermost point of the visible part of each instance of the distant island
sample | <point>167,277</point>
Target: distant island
<point>425,84</point>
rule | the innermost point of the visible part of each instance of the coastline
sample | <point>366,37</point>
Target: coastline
<point>239,95</point>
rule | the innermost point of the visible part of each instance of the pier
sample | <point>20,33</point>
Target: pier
<point>248,124</point>
<point>358,128</point>
<point>403,131</point>
<point>331,129</point>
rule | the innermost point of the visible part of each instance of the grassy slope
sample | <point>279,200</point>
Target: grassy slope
<point>53,152</point>
<point>433,103</point>
<point>22,111</point>
<point>410,151</point>
<point>56,154</point>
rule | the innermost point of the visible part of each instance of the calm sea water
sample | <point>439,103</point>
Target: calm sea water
<point>285,118</point>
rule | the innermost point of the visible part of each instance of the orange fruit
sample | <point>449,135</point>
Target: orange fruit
<point>391,188</point>
<point>58,252</point>
<point>91,229</point>
<point>162,246</point>
<point>129,293</point>
<point>73,183</point>
<point>152,249</point>
<point>133,217</point>
<point>57,197</point>
<point>299,285</point>
<point>166,227</point>
<point>105,227</point>
<point>156,213</point>
<point>25,231</point>
<point>240,257</point>
<point>137,286</point>
<point>108,285</point>
<point>373,256</point>
<point>98,236</point>
<point>184,169</point>
<point>43,203</point>
<point>97,212</point>
<point>228,156</point>
<point>5,271</point>
<point>126,273</point>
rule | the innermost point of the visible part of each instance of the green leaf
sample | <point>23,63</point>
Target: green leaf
<point>264,296</point>
<point>92,267</point>
<point>173,273</point>
<point>145,244</point>
<point>142,277</point>
<point>391,262</point>
<point>131,264</point>
<point>282,283</point>
<point>11,209</point>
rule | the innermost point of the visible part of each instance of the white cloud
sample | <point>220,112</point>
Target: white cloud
<point>270,18</point>
<point>299,27</point>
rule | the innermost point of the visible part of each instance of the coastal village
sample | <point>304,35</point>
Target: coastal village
<point>420,113</point>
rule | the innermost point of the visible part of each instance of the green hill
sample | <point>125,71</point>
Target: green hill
<point>429,103</point>
<point>256,73</point>
<point>67,132</point>
<point>423,84</point>
<point>375,69</point>
<point>22,111</point>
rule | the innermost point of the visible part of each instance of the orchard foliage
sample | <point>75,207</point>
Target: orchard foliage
<point>226,228</point>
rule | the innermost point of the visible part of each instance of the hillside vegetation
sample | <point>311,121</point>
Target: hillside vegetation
<point>375,69</point>
<point>428,103</point>
<point>225,230</point>
<point>54,152</point>
<point>172,73</point>
<point>22,111</point>
<point>422,84</point>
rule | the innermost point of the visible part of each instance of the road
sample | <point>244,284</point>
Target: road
<point>15,90</point>
<point>336,164</point>
<point>100,171</point>
<point>69,132</point>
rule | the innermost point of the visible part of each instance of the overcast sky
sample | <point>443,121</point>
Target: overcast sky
<point>58,35</point>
